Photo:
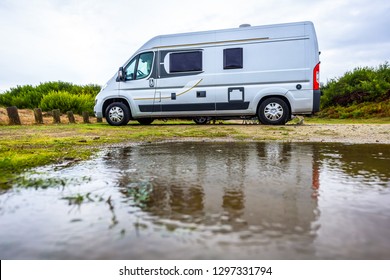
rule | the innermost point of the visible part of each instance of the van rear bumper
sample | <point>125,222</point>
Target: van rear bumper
<point>316,100</point>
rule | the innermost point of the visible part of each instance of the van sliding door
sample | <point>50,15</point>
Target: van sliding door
<point>181,84</point>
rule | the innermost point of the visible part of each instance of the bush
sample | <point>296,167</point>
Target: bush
<point>361,85</point>
<point>21,97</point>
<point>30,97</point>
<point>65,101</point>
<point>362,110</point>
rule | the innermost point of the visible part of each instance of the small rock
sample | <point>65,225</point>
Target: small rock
<point>83,141</point>
<point>96,138</point>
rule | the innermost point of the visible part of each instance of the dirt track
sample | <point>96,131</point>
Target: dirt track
<point>345,133</point>
<point>306,132</point>
<point>340,133</point>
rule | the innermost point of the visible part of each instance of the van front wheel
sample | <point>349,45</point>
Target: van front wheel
<point>202,120</point>
<point>273,111</point>
<point>117,114</point>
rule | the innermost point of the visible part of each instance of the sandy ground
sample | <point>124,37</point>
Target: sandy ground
<point>343,133</point>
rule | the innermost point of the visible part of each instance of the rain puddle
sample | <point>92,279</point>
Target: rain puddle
<point>204,200</point>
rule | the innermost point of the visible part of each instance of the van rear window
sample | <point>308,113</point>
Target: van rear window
<point>185,62</point>
<point>232,58</point>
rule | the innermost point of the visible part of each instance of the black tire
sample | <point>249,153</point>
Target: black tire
<point>202,120</point>
<point>117,114</point>
<point>145,121</point>
<point>274,111</point>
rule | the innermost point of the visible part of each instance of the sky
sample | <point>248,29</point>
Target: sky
<point>85,41</point>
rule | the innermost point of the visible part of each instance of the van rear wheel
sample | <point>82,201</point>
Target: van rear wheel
<point>273,111</point>
<point>117,114</point>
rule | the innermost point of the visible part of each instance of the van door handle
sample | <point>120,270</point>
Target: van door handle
<point>151,82</point>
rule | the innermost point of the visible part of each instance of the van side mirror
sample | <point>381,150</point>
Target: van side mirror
<point>121,75</point>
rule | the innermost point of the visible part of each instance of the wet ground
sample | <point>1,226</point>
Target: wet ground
<point>204,200</point>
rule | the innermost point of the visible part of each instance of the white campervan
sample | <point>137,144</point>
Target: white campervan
<point>267,71</point>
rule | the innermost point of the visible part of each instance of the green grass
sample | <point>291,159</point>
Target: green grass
<point>24,147</point>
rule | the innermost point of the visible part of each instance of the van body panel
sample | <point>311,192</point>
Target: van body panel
<point>222,73</point>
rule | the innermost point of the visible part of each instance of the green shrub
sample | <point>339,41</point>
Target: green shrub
<point>21,97</point>
<point>86,103</point>
<point>362,110</point>
<point>361,85</point>
<point>30,97</point>
<point>65,101</point>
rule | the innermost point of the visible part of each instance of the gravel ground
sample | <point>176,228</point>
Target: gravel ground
<point>306,132</point>
<point>345,133</point>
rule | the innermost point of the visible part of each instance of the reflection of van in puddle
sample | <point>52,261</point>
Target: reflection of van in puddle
<point>215,200</point>
<point>260,184</point>
<point>268,71</point>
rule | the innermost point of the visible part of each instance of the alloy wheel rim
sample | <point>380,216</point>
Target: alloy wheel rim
<point>116,114</point>
<point>273,111</point>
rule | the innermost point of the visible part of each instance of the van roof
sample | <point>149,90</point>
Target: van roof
<point>263,32</point>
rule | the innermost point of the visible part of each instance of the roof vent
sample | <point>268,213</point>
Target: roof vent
<point>245,25</point>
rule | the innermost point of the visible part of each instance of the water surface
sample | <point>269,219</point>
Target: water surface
<point>202,200</point>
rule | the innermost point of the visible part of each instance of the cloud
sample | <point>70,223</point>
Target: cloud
<point>85,41</point>
<point>47,42</point>
<point>353,34</point>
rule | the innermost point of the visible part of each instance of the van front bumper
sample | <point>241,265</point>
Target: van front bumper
<point>98,114</point>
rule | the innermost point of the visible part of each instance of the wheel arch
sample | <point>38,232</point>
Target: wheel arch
<point>283,97</point>
<point>112,100</point>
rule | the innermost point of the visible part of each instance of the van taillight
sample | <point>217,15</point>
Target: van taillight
<point>316,77</point>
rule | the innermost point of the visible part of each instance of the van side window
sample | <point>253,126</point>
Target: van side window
<point>185,62</point>
<point>233,58</point>
<point>140,66</point>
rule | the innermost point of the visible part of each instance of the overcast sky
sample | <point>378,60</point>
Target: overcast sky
<point>85,41</point>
